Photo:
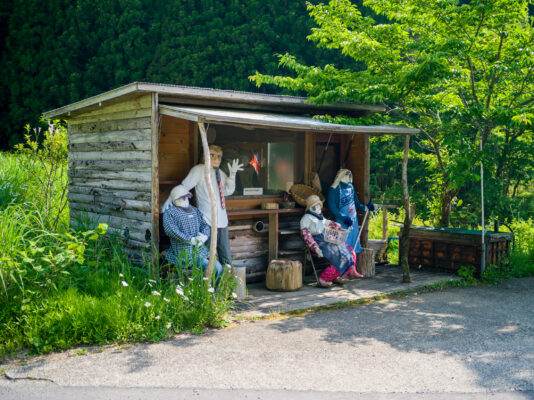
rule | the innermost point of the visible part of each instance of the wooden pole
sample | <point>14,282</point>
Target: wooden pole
<point>207,175</point>
<point>404,243</point>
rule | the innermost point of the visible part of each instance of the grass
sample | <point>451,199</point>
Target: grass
<point>61,288</point>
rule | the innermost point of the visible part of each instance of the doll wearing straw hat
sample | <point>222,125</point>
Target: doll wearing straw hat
<point>312,228</point>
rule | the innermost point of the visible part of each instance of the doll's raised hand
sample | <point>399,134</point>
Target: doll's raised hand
<point>234,167</point>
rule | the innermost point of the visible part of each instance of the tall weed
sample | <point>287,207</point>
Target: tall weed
<point>44,159</point>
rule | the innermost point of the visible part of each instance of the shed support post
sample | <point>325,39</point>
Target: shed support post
<point>156,127</point>
<point>207,175</point>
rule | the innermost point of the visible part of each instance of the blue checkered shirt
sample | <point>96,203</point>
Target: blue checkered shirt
<point>181,225</point>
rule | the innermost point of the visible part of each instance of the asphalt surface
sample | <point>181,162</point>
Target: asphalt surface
<point>459,343</point>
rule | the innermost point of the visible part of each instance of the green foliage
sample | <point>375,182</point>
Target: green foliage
<point>460,72</point>
<point>61,288</point>
<point>44,162</point>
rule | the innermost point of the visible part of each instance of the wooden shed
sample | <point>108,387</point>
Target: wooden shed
<point>128,147</point>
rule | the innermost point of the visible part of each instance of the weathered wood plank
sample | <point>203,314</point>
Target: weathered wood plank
<point>110,210</point>
<point>111,155</point>
<point>251,254</point>
<point>137,236</point>
<point>144,112</point>
<point>120,175</point>
<point>114,221</point>
<point>128,124</point>
<point>110,201</point>
<point>105,137</point>
<point>111,184</point>
<point>113,192</point>
<point>112,146</point>
<point>130,104</point>
<point>111,165</point>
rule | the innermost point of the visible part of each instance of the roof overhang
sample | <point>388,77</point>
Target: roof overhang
<point>185,95</point>
<point>254,119</point>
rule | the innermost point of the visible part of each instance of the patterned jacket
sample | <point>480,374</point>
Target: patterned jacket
<point>181,225</point>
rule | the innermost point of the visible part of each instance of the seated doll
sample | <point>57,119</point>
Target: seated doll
<point>188,231</point>
<point>343,259</point>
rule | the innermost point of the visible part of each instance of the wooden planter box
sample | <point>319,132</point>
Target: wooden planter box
<point>449,249</point>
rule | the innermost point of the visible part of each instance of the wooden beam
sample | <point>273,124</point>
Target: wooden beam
<point>207,176</point>
<point>155,123</point>
<point>309,157</point>
<point>273,236</point>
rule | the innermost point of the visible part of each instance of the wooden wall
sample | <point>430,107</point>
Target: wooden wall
<point>176,147</point>
<point>110,170</point>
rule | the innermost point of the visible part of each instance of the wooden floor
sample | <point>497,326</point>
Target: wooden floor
<point>261,302</point>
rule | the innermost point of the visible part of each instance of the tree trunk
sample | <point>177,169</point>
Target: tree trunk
<point>207,175</point>
<point>404,240</point>
<point>446,201</point>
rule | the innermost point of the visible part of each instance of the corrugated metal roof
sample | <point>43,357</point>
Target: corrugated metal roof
<point>281,121</point>
<point>183,94</point>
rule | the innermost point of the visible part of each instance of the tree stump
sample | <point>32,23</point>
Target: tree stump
<point>284,275</point>
<point>366,262</point>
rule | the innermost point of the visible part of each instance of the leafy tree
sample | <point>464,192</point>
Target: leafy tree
<point>461,72</point>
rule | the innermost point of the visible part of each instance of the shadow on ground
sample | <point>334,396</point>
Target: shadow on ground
<point>491,329</point>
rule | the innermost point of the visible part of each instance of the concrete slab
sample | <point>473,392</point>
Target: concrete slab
<point>262,302</point>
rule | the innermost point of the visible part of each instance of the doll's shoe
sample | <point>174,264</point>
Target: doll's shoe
<point>339,281</point>
<point>352,273</point>
<point>323,284</point>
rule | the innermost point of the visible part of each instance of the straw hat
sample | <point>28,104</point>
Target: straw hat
<point>313,200</point>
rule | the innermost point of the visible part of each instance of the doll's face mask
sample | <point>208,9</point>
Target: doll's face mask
<point>182,202</point>
<point>347,177</point>
<point>316,208</point>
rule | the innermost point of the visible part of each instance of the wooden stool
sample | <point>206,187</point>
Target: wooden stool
<point>284,275</point>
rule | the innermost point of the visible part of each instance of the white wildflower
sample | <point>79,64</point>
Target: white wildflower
<point>206,279</point>
<point>157,317</point>
<point>179,291</point>
<point>149,284</point>
<point>124,283</point>
<point>169,325</point>
<point>156,293</point>
<point>166,299</point>
<point>186,298</point>
<point>234,295</point>
<point>121,275</point>
<point>211,290</point>
<point>152,280</point>
<point>147,304</point>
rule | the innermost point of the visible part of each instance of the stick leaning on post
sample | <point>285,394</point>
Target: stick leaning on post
<point>207,168</point>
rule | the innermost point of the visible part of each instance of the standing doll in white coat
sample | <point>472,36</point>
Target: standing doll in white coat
<point>223,185</point>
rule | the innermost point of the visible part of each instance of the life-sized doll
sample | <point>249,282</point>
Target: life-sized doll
<point>343,203</point>
<point>188,231</point>
<point>223,185</point>
<point>343,259</point>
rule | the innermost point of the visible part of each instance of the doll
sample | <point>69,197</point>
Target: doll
<point>343,203</point>
<point>312,227</point>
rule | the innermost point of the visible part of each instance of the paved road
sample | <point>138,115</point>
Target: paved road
<point>459,343</point>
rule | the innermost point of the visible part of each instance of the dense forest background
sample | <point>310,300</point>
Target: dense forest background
<point>57,52</point>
